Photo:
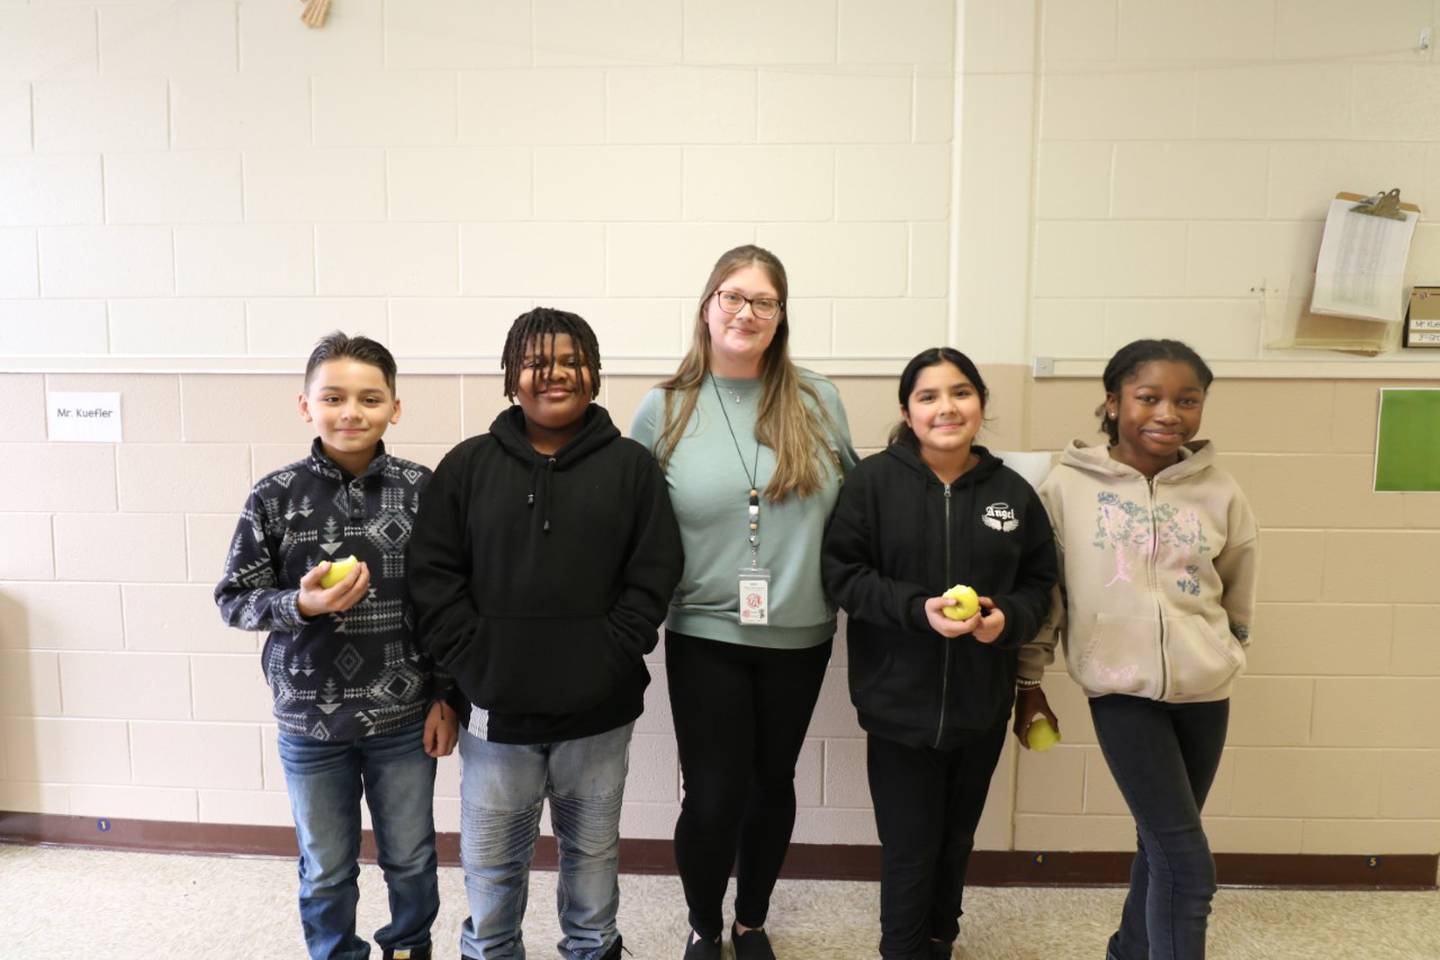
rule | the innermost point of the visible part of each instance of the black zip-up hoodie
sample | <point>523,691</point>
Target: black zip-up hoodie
<point>541,581</point>
<point>899,536</point>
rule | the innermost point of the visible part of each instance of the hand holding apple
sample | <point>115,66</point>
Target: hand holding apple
<point>315,598</point>
<point>947,626</point>
<point>1032,710</point>
<point>338,571</point>
<point>1042,736</point>
<point>966,605</point>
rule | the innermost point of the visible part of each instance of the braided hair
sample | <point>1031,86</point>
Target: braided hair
<point>547,322</point>
<point>1130,358</point>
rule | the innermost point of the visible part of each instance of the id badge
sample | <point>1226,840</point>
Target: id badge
<point>754,596</point>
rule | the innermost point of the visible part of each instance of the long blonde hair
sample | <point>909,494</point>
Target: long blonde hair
<point>798,432</point>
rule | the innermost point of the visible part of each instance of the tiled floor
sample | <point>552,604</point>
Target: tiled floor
<point>62,903</point>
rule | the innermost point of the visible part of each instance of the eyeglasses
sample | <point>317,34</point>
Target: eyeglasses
<point>765,308</point>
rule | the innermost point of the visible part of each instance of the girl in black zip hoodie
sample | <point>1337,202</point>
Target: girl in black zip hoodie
<point>934,694</point>
<point>542,564</point>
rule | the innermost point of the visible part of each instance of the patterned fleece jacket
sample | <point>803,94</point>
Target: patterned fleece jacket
<point>337,676</point>
<point>1157,576</point>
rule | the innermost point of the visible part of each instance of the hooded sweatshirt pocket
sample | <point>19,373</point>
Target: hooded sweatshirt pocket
<point>1201,662</point>
<point>552,666</point>
<point>896,681</point>
<point>1121,655</point>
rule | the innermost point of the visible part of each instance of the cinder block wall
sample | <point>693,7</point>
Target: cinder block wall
<point>187,188</point>
<point>1187,154</point>
<point>192,186</point>
<point>211,177</point>
<point>1184,156</point>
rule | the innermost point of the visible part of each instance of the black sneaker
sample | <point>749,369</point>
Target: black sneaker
<point>701,949</point>
<point>406,953</point>
<point>614,952</point>
<point>751,945</point>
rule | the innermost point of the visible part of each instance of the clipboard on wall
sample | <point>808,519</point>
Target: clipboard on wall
<point>1360,272</point>
<point>1326,325</point>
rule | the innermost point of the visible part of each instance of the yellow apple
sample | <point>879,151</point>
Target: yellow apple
<point>967,603</point>
<point>1042,736</point>
<point>338,570</point>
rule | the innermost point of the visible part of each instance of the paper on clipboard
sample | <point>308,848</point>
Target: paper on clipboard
<point>1361,270</point>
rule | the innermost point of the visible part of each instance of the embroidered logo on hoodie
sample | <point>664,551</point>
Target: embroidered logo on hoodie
<point>1001,516</point>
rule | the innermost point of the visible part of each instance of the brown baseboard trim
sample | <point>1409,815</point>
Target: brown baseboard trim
<point>812,861</point>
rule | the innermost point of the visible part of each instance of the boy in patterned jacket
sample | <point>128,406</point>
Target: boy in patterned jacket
<point>359,706</point>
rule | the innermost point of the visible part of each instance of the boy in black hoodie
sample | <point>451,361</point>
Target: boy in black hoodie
<point>542,564</point>
<point>933,691</point>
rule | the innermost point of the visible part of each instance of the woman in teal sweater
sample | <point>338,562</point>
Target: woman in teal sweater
<point>754,450</point>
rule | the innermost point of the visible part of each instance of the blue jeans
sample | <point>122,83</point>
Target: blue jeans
<point>324,779</point>
<point>502,788</point>
<point>1164,757</point>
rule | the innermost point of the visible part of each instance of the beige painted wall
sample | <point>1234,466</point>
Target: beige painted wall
<point>205,187</point>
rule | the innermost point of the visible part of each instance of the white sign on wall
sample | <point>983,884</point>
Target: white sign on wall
<point>83,417</point>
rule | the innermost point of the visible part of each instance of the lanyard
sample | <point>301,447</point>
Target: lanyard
<point>752,474</point>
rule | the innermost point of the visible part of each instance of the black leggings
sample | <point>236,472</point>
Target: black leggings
<point>927,806</point>
<point>741,714</point>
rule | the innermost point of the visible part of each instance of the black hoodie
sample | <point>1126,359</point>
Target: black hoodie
<point>541,581</point>
<point>899,536</point>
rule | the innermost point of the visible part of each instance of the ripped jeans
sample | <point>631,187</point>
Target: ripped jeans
<point>502,789</point>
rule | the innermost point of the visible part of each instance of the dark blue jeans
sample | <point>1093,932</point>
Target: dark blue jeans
<point>1164,757</point>
<point>324,780</point>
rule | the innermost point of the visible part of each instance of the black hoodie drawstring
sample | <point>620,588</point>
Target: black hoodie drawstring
<point>548,492</point>
<point>508,429</point>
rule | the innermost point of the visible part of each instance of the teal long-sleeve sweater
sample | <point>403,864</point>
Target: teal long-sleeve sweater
<point>709,490</point>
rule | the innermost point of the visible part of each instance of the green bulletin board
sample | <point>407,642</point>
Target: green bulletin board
<point>1407,443</point>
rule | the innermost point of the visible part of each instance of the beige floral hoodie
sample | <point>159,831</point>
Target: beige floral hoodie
<point>1157,576</point>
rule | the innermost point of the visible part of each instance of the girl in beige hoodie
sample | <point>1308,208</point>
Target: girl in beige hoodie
<point>1157,551</point>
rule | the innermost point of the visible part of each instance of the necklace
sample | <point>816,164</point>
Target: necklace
<point>734,392</point>
<point>752,474</point>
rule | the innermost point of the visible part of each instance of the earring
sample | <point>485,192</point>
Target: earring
<point>1110,415</point>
